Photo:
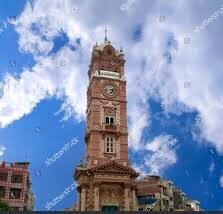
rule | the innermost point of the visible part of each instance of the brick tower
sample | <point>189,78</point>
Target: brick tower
<point>106,182</point>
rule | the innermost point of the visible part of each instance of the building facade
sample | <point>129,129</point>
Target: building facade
<point>107,182</point>
<point>181,202</point>
<point>155,194</point>
<point>15,186</point>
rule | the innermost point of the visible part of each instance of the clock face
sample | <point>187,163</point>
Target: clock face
<point>109,90</point>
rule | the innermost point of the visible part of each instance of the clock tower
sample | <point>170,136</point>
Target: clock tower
<point>107,181</point>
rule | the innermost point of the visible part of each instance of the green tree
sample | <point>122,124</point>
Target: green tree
<point>4,206</point>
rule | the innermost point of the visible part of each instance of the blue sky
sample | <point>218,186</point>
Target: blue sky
<point>43,79</point>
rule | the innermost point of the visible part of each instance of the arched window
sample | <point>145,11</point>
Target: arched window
<point>109,144</point>
<point>109,120</point>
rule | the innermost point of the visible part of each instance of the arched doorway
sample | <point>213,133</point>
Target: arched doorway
<point>110,208</point>
<point>110,202</point>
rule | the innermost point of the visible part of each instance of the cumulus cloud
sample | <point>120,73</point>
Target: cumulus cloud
<point>46,79</point>
<point>193,63</point>
<point>197,62</point>
<point>159,155</point>
<point>163,154</point>
<point>138,120</point>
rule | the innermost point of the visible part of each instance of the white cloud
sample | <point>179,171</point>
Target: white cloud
<point>158,156</point>
<point>211,167</point>
<point>44,80</point>
<point>2,150</point>
<point>138,120</point>
<point>3,26</point>
<point>198,63</point>
<point>191,64</point>
<point>47,78</point>
<point>140,169</point>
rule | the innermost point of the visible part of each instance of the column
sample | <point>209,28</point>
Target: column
<point>96,198</point>
<point>7,188</point>
<point>83,199</point>
<point>78,200</point>
<point>134,201</point>
<point>161,201</point>
<point>126,197</point>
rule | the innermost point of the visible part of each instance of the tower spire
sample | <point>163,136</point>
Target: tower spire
<point>106,38</point>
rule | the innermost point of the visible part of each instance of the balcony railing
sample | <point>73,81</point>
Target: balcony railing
<point>106,127</point>
<point>110,127</point>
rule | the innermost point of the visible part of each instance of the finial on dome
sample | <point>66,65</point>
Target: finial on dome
<point>106,39</point>
<point>96,44</point>
<point>80,164</point>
